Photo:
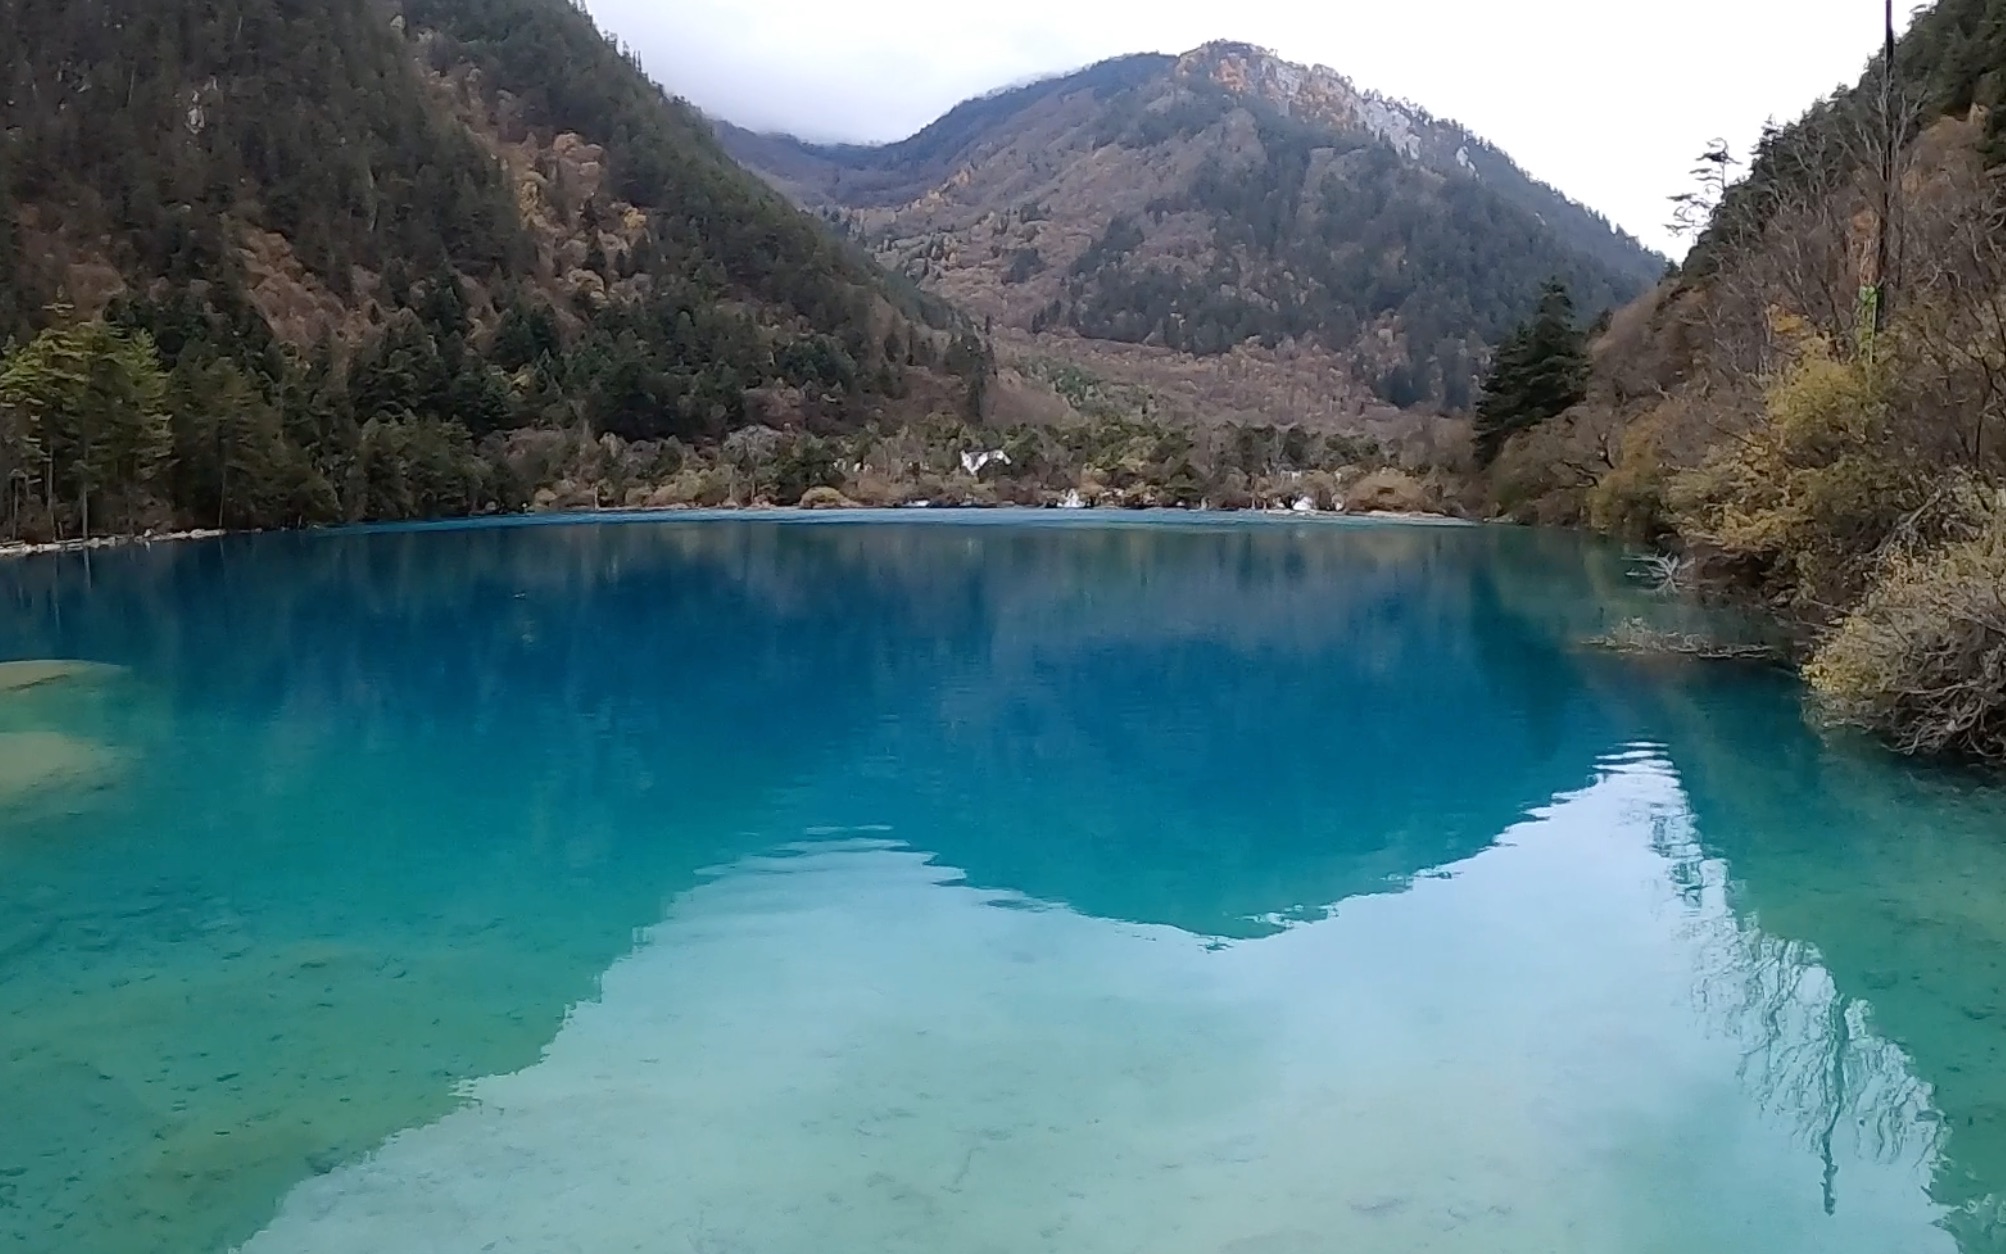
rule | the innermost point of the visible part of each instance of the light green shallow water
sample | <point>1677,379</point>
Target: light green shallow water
<point>991,884</point>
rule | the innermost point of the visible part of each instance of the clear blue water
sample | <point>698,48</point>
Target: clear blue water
<point>961,885</point>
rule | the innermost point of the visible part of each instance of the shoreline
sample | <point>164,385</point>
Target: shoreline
<point>22,549</point>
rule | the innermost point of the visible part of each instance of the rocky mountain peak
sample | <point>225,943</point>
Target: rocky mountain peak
<point>1315,94</point>
<point>1193,222</point>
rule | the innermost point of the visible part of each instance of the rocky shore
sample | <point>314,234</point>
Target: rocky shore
<point>10,549</point>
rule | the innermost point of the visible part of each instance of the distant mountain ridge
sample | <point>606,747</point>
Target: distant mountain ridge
<point>1220,202</point>
<point>1320,94</point>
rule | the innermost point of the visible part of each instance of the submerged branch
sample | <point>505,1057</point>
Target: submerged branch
<point>1636,638</point>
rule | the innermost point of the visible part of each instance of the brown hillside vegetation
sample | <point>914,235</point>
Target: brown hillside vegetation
<point>1751,415</point>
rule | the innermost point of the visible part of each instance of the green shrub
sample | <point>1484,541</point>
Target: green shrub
<point>1528,483</point>
<point>1389,491</point>
<point>1629,501</point>
<point>823,497</point>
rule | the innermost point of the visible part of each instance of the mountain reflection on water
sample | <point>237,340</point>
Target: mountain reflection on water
<point>406,821</point>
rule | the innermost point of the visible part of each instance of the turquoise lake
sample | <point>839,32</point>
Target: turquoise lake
<point>964,884</point>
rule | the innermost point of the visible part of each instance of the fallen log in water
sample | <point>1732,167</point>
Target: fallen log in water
<point>1636,638</point>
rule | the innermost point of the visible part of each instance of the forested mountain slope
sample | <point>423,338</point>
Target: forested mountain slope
<point>360,239</point>
<point>1818,431</point>
<point>1222,203</point>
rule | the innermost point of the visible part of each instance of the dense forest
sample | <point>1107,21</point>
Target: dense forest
<point>1327,237</point>
<point>267,263</point>
<point>1812,413</point>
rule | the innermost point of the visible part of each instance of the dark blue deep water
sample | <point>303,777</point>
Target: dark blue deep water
<point>963,885</point>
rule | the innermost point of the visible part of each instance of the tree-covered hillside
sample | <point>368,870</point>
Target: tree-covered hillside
<point>337,252</point>
<point>143,135</point>
<point>1329,238</point>
<point>1951,63</point>
<point>1813,412</point>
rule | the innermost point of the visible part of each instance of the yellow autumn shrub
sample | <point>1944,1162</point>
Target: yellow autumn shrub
<point>1801,504</point>
<point>1922,661</point>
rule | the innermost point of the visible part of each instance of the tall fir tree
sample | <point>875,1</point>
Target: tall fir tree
<point>92,398</point>
<point>1541,372</point>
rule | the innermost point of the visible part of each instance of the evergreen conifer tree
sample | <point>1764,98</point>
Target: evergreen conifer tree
<point>1541,372</point>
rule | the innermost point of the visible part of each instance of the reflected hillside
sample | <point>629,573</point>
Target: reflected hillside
<point>996,655</point>
<point>1891,876</point>
<point>1081,754</point>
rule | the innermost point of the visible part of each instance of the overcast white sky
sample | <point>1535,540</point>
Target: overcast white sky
<point>1609,100</point>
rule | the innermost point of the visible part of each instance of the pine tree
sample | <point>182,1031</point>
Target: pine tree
<point>1541,372</point>
<point>21,456</point>
<point>233,463</point>
<point>14,303</point>
<point>93,399</point>
<point>127,403</point>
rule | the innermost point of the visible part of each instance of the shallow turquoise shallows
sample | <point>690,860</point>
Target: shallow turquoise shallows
<point>963,885</point>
